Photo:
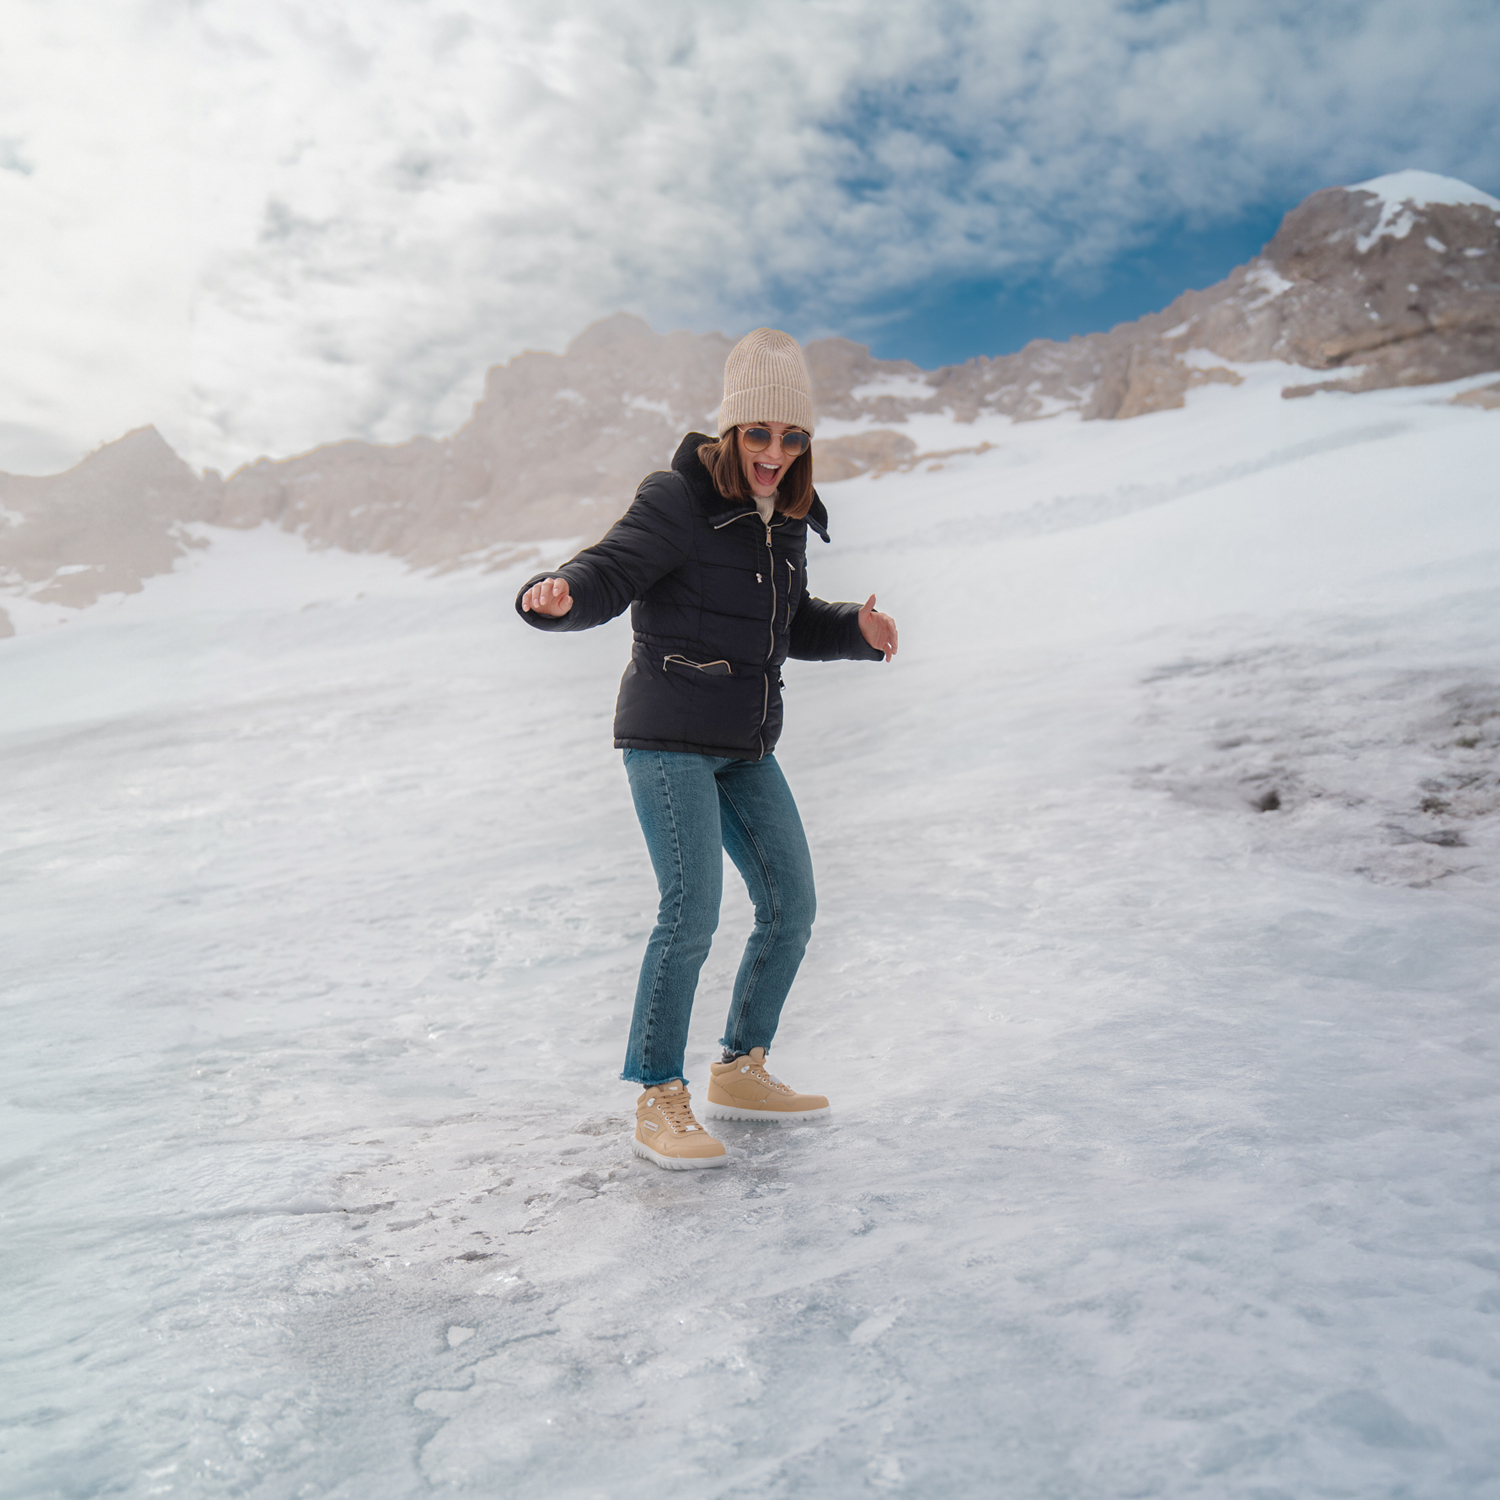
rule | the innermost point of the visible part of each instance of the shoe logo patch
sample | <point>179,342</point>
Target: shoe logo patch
<point>650,1125</point>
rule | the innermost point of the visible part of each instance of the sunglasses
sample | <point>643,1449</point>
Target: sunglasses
<point>758,439</point>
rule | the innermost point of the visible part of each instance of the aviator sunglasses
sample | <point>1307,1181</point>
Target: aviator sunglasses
<point>758,439</point>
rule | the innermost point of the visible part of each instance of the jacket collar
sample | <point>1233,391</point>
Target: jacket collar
<point>687,463</point>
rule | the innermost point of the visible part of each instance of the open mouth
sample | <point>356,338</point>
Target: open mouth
<point>765,475</point>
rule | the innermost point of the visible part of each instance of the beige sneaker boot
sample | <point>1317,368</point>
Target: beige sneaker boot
<point>744,1090</point>
<point>666,1132</point>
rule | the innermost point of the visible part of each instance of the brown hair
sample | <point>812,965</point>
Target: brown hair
<point>794,496</point>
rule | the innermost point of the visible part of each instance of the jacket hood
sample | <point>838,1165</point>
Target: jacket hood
<point>687,463</point>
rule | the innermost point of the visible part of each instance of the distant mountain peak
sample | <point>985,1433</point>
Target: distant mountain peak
<point>141,445</point>
<point>1404,197</point>
<point>1420,189</point>
<point>618,328</point>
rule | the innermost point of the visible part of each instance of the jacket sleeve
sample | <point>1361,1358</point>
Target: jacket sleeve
<point>652,539</point>
<point>829,632</point>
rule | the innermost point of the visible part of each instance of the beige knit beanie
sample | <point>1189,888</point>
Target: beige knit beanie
<point>766,380</point>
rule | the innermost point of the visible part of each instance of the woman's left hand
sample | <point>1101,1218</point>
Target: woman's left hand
<point>878,630</point>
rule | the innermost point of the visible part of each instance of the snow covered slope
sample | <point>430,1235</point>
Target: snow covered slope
<point>1154,986</point>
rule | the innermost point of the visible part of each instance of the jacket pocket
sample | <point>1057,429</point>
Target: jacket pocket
<point>706,668</point>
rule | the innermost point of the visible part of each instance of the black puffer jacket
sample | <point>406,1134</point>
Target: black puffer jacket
<point>720,601</point>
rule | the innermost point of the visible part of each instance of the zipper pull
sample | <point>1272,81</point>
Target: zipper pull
<point>768,535</point>
<point>758,578</point>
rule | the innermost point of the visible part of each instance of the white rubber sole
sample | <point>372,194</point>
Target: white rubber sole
<point>676,1163</point>
<point>768,1116</point>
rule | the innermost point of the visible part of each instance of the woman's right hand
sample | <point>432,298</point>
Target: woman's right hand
<point>549,597</point>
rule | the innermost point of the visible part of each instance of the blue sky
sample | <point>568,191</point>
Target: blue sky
<point>263,225</point>
<point>947,322</point>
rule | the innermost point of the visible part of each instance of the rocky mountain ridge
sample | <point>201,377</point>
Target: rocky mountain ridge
<point>1391,282</point>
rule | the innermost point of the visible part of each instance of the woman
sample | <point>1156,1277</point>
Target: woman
<point>713,558</point>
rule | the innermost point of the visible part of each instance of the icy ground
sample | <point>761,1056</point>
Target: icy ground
<point>1164,1153</point>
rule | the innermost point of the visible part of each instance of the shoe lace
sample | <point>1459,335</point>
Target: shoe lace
<point>677,1110</point>
<point>771,1078</point>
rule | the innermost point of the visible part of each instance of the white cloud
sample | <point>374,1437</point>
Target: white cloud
<point>263,224</point>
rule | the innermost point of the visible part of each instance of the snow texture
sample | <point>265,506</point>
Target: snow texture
<point>1400,191</point>
<point>899,387</point>
<point>1268,282</point>
<point>1154,985</point>
<point>1423,188</point>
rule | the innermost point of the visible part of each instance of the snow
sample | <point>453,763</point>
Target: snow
<point>1207,359</point>
<point>228,570</point>
<point>1044,406</point>
<point>1400,191</point>
<point>1420,189</point>
<point>643,403</point>
<point>1163,1149</point>
<point>1269,282</point>
<point>900,387</point>
<point>263,568</point>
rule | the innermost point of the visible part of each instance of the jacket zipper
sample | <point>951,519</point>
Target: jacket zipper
<point>771,651</point>
<point>765,701</point>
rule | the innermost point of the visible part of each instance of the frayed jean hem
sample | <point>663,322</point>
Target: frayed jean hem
<point>641,1083</point>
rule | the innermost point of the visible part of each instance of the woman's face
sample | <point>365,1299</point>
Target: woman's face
<point>764,469</point>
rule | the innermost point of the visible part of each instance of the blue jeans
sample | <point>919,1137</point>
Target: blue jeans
<point>691,807</point>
